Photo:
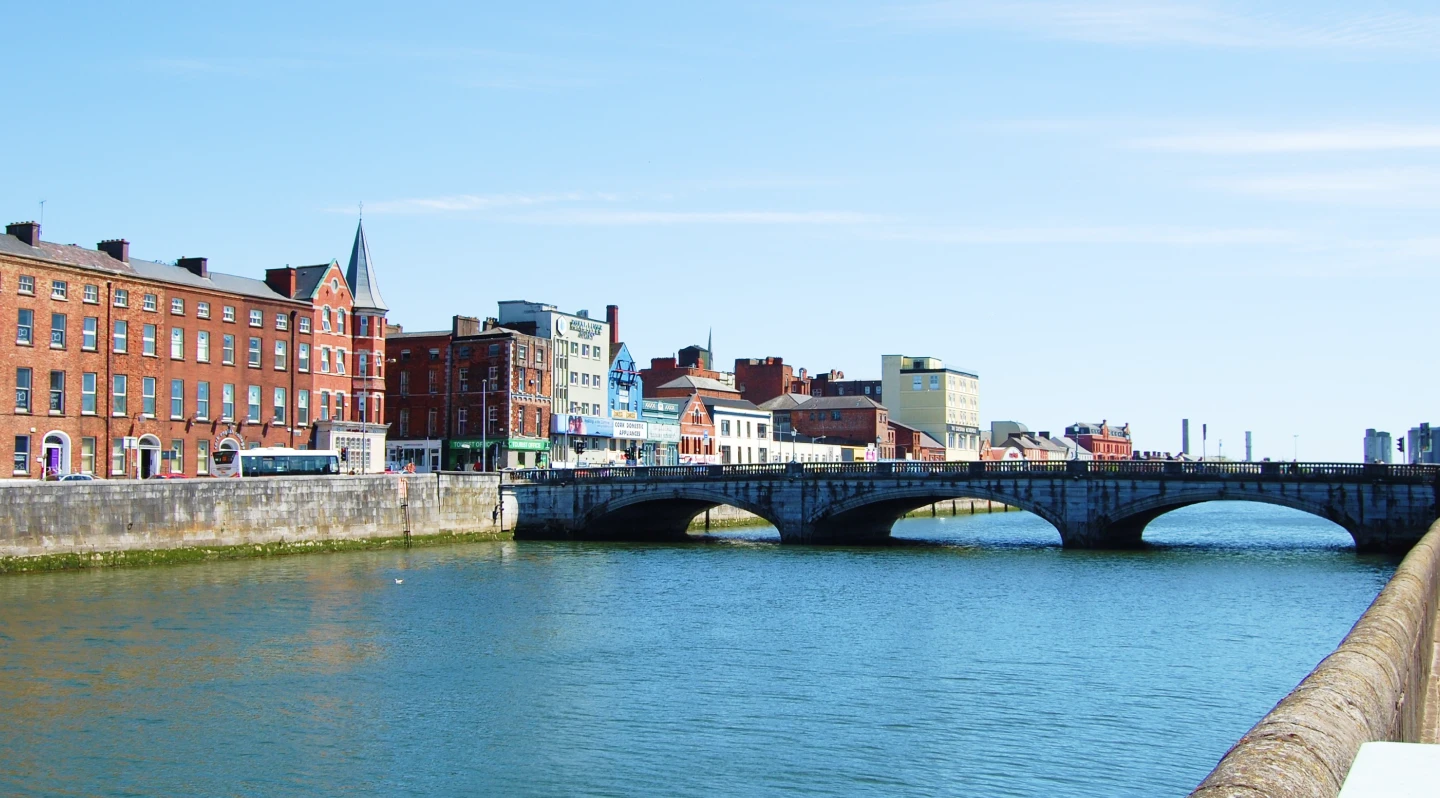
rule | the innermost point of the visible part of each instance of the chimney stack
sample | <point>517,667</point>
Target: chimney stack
<point>284,280</point>
<point>200,267</point>
<point>464,325</point>
<point>29,232</point>
<point>612,318</point>
<point>117,248</point>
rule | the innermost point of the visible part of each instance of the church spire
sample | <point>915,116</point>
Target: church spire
<point>361,276</point>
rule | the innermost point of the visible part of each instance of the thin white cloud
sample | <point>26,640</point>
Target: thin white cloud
<point>1203,24</point>
<point>460,203</point>
<point>1352,139</point>
<point>1099,235</point>
<point>1412,187</point>
<point>645,217</point>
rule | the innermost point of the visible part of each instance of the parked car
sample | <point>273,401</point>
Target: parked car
<point>77,478</point>
<point>170,476</point>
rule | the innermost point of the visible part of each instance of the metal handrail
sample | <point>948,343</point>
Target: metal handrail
<point>1137,469</point>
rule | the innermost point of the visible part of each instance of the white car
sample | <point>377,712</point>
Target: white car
<point>77,478</point>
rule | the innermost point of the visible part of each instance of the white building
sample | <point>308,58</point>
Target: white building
<point>742,430</point>
<point>580,348</point>
<point>945,403</point>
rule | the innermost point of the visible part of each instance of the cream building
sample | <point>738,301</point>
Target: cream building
<point>945,403</point>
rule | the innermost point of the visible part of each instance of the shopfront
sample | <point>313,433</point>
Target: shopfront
<point>579,440</point>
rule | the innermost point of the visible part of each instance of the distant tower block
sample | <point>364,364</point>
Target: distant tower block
<point>1248,451</point>
<point>1184,436</point>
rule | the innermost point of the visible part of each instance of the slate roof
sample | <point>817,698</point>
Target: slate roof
<point>734,404</point>
<point>361,275</point>
<point>842,403</point>
<point>698,383</point>
<point>309,278</point>
<point>785,401</point>
<point>72,255</point>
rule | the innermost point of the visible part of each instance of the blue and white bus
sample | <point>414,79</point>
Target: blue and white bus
<point>275,462</point>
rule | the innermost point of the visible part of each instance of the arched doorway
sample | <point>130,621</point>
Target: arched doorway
<point>56,452</point>
<point>149,456</point>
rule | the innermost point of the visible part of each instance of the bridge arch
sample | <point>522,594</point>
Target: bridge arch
<point>871,517</point>
<point>663,515</point>
<point>1126,526</point>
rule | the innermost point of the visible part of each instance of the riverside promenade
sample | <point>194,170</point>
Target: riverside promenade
<point>1381,684</point>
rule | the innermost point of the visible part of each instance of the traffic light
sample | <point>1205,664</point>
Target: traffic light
<point>579,447</point>
<point>1400,444</point>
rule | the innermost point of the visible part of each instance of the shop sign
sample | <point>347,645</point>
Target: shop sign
<point>669,433</point>
<point>584,328</point>
<point>565,424</point>
<point>630,414</point>
<point>527,445</point>
<point>630,429</point>
<point>699,459</point>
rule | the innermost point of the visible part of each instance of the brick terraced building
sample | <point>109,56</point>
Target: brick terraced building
<point>122,367</point>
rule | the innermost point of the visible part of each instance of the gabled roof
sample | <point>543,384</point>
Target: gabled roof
<point>711,402</point>
<point>699,383</point>
<point>928,442</point>
<point>842,403</point>
<point>785,401</point>
<point>309,278</point>
<point>364,288</point>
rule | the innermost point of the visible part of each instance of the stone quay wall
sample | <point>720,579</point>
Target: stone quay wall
<point>38,519</point>
<point>1372,688</point>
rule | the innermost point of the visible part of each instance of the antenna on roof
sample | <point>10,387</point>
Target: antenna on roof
<point>42,213</point>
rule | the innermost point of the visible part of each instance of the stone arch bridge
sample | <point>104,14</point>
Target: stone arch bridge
<point>1092,504</point>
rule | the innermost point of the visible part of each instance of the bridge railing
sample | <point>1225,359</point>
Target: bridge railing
<point>981,469</point>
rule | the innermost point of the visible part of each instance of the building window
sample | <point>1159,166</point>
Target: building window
<point>404,422</point>
<point>150,303</point>
<point>302,407</point>
<point>202,310</point>
<point>22,390</point>
<point>117,456</point>
<point>257,318</point>
<point>364,364</point>
<point>57,393</point>
<point>324,360</point>
<point>725,427</point>
<point>177,399</point>
<point>202,346</point>
<point>177,343</point>
<point>302,357</point>
<point>59,289</point>
<point>177,306</point>
<point>340,356</point>
<point>464,376</point>
<point>254,360</point>
<point>227,402</point>
<point>25,327</point>
<point>304,324</point>
<point>177,456</point>
<point>340,321</point>
<point>227,350</point>
<point>339,406</point>
<point>122,298</point>
<point>118,386</point>
<point>282,356</point>
<point>279,406</point>
<point>430,418</point>
<point>20,463</point>
<point>147,340</point>
<point>325,319</point>
<point>434,381</point>
<point>202,457</point>
<point>364,326</point>
<point>282,322</point>
<point>434,355</point>
<point>27,285</point>
<point>87,455</point>
<point>918,383</point>
<point>462,418</point>
<point>324,405</point>
<point>227,313</point>
<point>92,297</point>
<point>120,339</point>
<point>87,393</point>
<point>934,382</point>
<point>147,396</point>
<point>90,334</point>
<point>253,404</point>
<point>202,401</point>
<point>57,330</point>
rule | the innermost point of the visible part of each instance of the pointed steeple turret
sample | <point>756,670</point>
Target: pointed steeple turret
<point>361,276</point>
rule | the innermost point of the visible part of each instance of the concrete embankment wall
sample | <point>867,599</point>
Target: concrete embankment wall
<point>89,517</point>
<point>726,516</point>
<point>1372,688</point>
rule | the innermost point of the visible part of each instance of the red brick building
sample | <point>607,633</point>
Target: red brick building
<point>914,444</point>
<point>846,419</point>
<point>417,393</point>
<point>685,387</point>
<point>697,433</point>
<point>122,367</point>
<point>1102,440</point>
<point>665,370</point>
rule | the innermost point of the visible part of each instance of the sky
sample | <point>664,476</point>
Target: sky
<point>1136,211</point>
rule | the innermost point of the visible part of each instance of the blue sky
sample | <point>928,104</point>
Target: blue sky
<point>1137,211</point>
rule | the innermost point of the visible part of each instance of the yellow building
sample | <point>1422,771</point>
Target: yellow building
<point>920,392</point>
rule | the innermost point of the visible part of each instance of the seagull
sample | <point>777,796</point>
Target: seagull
<point>399,581</point>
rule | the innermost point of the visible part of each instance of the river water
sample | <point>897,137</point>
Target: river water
<point>982,660</point>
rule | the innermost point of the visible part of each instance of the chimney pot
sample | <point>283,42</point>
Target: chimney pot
<point>29,232</point>
<point>117,248</point>
<point>200,267</point>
